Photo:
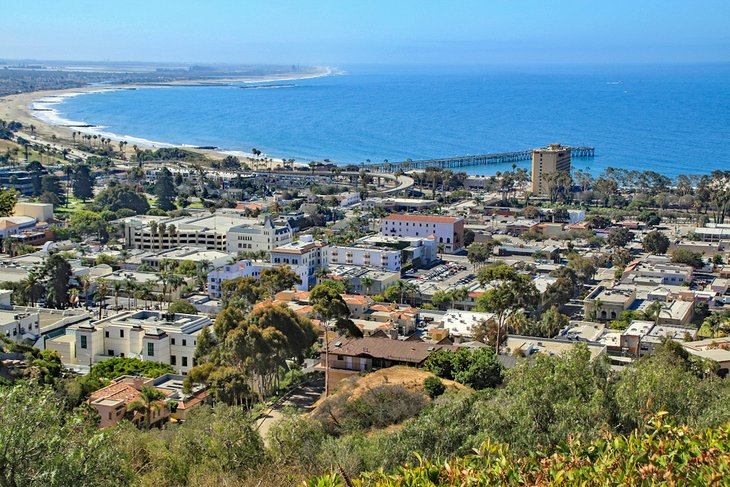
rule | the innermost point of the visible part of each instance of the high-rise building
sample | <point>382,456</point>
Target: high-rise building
<point>548,160</point>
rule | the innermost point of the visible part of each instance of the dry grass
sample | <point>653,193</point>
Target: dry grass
<point>408,377</point>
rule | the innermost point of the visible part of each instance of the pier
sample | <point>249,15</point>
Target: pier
<point>457,162</point>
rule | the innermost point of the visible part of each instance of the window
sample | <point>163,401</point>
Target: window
<point>339,357</point>
<point>121,333</point>
<point>110,352</point>
<point>173,360</point>
<point>185,342</point>
<point>172,341</point>
<point>106,334</point>
<point>150,349</point>
<point>83,341</point>
<point>184,361</point>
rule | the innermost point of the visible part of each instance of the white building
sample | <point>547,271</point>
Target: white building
<point>249,268</point>
<point>447,230</point>
<point>461,323</point>
<point>16,325</point>
<point>265,236</point>
<point>156,336</point>
<point>306,252</point>
<point>370,256</point>
<point>225,232</point>
<point>349,199</point>
<point>216,258</point>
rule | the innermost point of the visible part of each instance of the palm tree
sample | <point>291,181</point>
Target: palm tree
<point>73,297</point>
<point>30,288</point>
<point>367,283</point>
<point>161,232</point>
<point>458,294</point>
<point>129,286</point>
<point>102,290</point>
<point>117,287</point>
<point>441,249</point>
<point>85,282</point>
<point>149,400</point>
<point>405,288</point>
<point>174,282</point>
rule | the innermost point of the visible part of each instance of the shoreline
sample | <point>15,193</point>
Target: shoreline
<point>31,108</point>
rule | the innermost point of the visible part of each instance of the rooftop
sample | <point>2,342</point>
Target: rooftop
<point>422,218</point>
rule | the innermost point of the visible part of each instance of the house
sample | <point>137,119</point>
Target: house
<point>447,230</point>
<point>376,352</point>
<point>460,324</point>
<point>113,401</point>
<point>714,349</point>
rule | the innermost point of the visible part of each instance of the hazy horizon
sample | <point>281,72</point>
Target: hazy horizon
<point>328,33</point>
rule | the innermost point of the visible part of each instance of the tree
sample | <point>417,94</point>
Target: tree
<point>477,368</point>
<point>8,199</point>
<point>57,273</point>
<point>656,242</point>
<point>328,304</point>
<point>532,212</point>
<point>50,183</point>
<point>278,279</point>
<point>83,182</point>
<point>507,291</point>
<point>479,253</point>
<point>684,256</point>
<point>44,444</point>
<point>117,197</point>
<point>619,237</point>
<point>165,190</point>
<point>150,399</point>
<point>182,306</point>
<point>434,387</point>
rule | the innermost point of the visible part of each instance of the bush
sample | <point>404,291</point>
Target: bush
<point>434,387</point>
<point>182,306</point>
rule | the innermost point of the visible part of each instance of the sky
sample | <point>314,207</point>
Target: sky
<point>343,32</point>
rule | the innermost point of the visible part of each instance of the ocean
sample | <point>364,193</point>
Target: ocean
<point>669,119</point>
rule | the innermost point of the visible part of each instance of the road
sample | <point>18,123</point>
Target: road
<point>300,399</point>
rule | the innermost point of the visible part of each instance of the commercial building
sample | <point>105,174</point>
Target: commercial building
<point>225,232</point>
<point>305,252</point>
<point>249,268</point>
<point>545,161</point>
<point>608,303</point>
<point>354,276</point>
<point>169,338</point>
<point>214,258</point>
<point>446,230</point>
<point>398,204</point>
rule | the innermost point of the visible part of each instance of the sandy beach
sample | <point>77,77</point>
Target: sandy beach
<point>53,130</point>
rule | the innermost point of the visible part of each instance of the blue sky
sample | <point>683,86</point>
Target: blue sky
<point>339,32</point>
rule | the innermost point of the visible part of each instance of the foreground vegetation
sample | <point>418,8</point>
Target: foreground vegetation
<point>554,419</point>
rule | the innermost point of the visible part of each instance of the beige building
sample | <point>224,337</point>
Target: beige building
<point>547,160</point>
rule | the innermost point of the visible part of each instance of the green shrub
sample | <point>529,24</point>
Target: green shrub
<point>434,387</point>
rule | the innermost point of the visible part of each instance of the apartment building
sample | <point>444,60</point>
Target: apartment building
<point>265,236</point>
<point>546,161</point>
<point>158,336</point>
<point>364,255</point>
<point>446,230</point>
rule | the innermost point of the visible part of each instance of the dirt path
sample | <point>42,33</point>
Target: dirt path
<point>300,399</point>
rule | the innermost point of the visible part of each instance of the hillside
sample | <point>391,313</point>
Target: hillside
<point>377,400</point>
<point>662,453</point>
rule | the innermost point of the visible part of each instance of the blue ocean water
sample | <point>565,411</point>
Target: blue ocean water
<point>670,119</point>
